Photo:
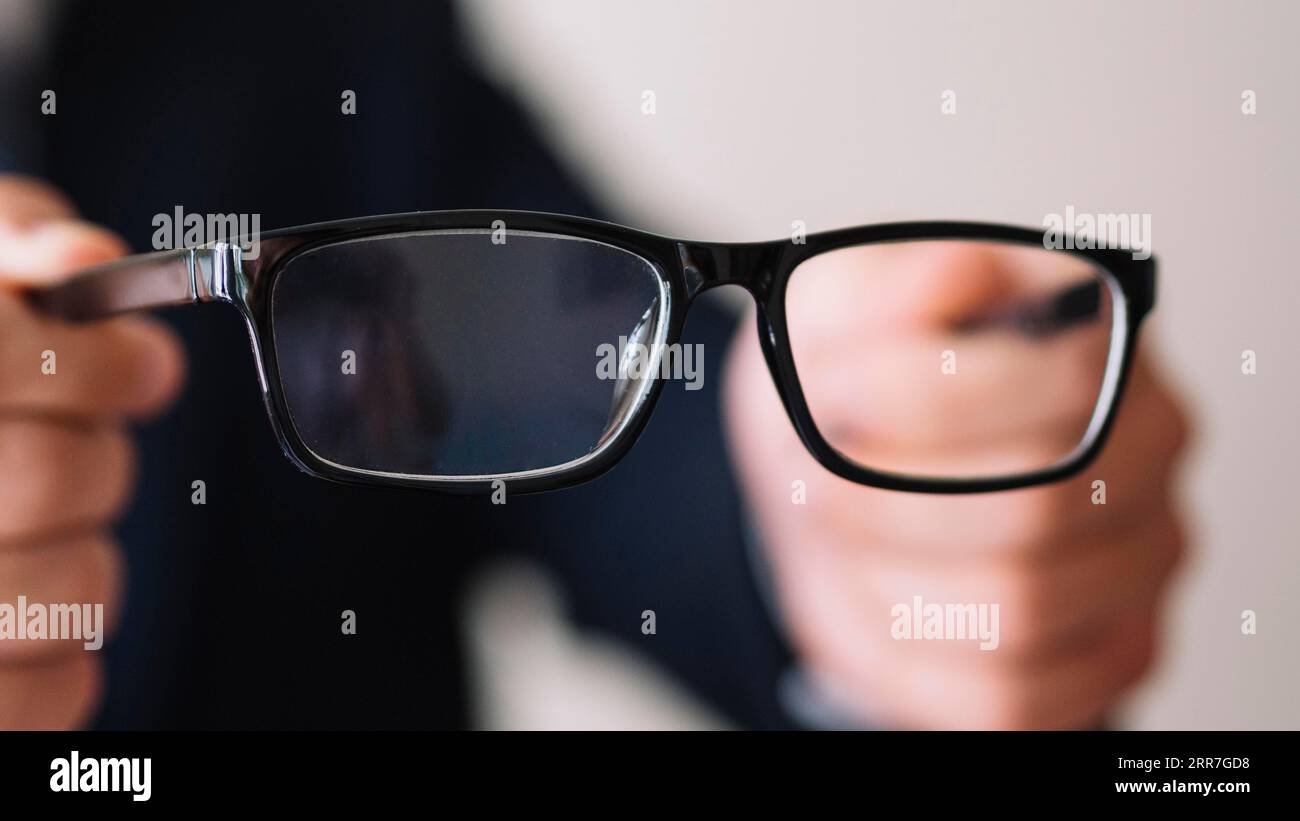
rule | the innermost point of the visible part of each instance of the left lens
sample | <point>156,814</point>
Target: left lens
<point>448,354</point>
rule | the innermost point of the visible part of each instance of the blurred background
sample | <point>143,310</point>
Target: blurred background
<point>829,112</point>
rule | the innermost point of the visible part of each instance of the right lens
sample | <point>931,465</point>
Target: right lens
<point>954,359</point>
<point>459,353</point>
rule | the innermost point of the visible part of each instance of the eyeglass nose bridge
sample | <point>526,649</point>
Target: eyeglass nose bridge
<point>752,266</point>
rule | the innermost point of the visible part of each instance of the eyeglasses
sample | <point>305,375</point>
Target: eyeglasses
<point>452,350</point>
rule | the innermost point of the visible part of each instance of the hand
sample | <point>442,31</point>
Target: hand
<point>1079,586</point>
<point>66,462</point>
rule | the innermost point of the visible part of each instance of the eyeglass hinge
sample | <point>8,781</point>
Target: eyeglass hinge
<point>214,269</point>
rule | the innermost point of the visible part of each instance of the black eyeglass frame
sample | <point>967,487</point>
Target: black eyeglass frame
<point>221,272</point>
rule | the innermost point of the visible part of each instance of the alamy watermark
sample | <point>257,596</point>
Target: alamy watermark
<point>187,230</point>
<point>955,622</point>
<point>126,775</point>
<point>636,360</point>
<point>35,621</point>
<point>1127,232</point>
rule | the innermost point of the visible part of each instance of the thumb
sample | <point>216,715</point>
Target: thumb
<point>41,239</point>
<point>940,284</point>
<point>881,290</point>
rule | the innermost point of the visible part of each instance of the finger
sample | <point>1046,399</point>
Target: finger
<point>1045,606</point>
<point>46,252</point>
<point>25,201</point>
<point>1137,466</point>
<point>54,477</point>
<point>931,396</point>
<point>59,694</point>
<point>886,288</point>
<point>74,571</point>
<point>40,236</point>
<point>126,365</point>
<point>1073,692</point>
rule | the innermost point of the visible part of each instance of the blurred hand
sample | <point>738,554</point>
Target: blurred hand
<point>1079,586</point>
<point>66,463</point>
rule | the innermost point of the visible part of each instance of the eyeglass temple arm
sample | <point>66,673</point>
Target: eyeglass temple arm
<point>158,280</point>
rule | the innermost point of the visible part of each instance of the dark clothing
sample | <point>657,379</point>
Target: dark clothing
<point>233,616</point>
